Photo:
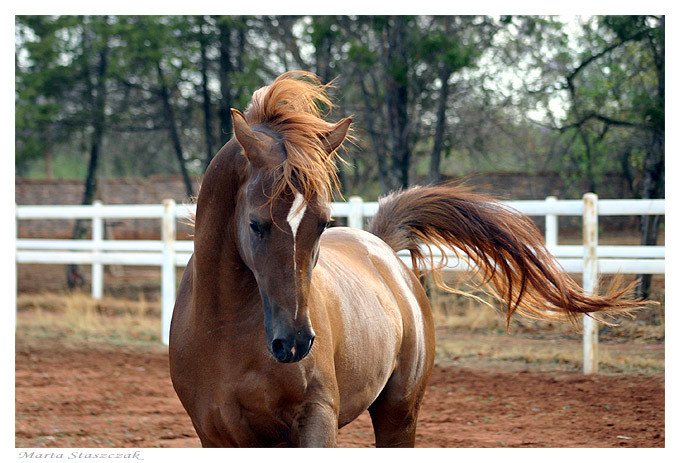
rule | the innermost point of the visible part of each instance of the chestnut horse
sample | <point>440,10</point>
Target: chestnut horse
<point>285,330</point>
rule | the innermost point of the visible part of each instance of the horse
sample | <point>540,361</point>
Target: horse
<point>285,329</point>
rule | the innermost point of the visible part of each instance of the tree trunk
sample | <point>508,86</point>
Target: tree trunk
<point>653,183</point>
<point>169,114</point>
<point>207,110</point>
<point>97,95</point>
<point>322,63</point>
<point>48,153</point>
<point>384,177</point>
<point>225,70</point>
<point>322,55</point>
<point>435,157</point>
<point>652,187</point>
<point>589,174</point>
<point>396,96</point>
<point>397,100</point>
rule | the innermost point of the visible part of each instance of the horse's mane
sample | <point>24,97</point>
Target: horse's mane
<point>293,106</point>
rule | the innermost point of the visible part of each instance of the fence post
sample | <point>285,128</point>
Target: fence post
<point>168,235</point>
<point>551,226</point>
<point>97,237</point>
<point>355,218</point>
<point>590,279</point>
<point>16,267</point>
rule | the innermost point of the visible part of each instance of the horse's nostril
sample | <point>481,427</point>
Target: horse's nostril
<point>291,349</point>
<point>278,349</point>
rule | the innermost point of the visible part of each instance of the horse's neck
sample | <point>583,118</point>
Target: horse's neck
<point>223,285</point>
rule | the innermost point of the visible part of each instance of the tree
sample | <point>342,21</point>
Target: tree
<point>453,43</point>
<point>156,61</point>
<point>79,51</point>
<point>619,85</point>
<point>205,39</point>
<point>433,96</point>
<point>649,34</point>
<point>66,78</point>
<point>404,67</point>
<point>40,86</point>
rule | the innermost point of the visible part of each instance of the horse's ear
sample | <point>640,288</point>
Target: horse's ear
<point>336,135</point>
<point>244,134</point>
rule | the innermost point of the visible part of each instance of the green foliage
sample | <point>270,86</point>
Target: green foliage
<point>526,92</point>
<point>38,86</point>
<point>625,26</point>
<point>323,29</point>
<point>446,46</point>
<point>617,96</point>
<point>361,55</point>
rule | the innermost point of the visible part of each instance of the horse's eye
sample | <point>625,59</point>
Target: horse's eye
<point>255,227</point>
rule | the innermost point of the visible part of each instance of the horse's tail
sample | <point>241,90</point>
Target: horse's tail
<point>504,246</point>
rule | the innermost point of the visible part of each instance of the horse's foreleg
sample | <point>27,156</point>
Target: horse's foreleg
<point>316,425</point>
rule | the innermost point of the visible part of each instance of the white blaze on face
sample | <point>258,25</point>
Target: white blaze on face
<point>295,215</point>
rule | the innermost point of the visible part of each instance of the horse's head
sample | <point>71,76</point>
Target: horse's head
<point>279,225</point>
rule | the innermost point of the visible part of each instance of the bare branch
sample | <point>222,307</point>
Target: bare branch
<point>607,120</point>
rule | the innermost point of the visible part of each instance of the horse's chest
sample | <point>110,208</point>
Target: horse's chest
<point>254,410</point>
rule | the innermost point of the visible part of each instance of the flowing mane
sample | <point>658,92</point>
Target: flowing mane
<point>293,106</point>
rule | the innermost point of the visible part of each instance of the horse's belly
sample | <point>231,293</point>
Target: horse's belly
<point>364,360</point>
<point>374,304</point>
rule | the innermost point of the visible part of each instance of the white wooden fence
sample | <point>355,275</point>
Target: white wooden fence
<point>590,259</point>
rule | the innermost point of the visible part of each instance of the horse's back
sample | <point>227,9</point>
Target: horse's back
<point>360,257</point>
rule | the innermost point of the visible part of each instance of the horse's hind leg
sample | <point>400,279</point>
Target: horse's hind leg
<point>394,418</point>
<point>395,412</point>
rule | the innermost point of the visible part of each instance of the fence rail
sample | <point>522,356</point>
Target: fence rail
<point>590,259</point>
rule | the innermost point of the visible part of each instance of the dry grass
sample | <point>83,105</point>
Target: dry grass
<point>467,313</point>
<point>469,332</point>
<point>77,316</point>
<point>487,350</point>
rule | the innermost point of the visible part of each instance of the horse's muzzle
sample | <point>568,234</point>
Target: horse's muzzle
<point>292,348</point>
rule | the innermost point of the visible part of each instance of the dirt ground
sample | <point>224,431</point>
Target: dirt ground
<point>82,392</point>
<point>99,395</point>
